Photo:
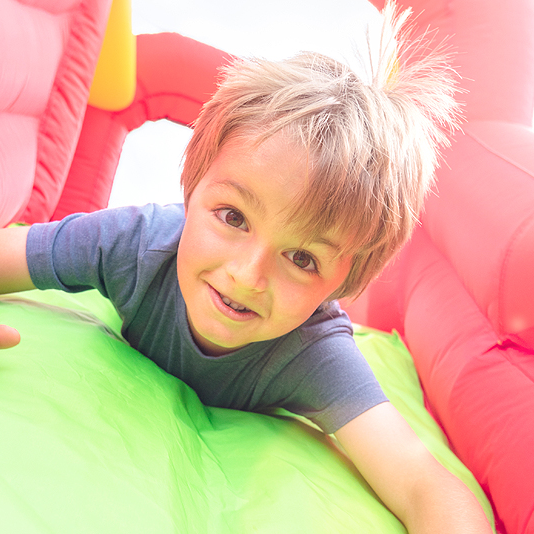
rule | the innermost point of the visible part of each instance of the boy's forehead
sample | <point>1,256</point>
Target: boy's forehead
<point>279,167</point>
<point>258,172</point>
<point>248,194</point>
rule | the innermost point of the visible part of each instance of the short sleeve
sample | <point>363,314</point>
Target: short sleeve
<point>101,250</point>
<point>333,383</point>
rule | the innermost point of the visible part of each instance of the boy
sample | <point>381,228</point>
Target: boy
<point>300,182</point>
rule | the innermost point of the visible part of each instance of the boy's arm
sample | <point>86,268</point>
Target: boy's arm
<point>410,482</point>
<point>14,274</point>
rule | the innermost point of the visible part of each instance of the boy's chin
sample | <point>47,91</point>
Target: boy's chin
<point>210,348</point>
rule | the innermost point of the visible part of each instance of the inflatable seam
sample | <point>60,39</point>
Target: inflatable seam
<point>495,152</point>
<point>516,235</point>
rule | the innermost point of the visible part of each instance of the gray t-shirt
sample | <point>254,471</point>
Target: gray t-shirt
<point>129,255</point>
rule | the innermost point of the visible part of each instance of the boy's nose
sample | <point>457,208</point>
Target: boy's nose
<point>250,268</point>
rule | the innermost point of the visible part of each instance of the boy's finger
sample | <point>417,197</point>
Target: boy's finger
<point>9,337</point>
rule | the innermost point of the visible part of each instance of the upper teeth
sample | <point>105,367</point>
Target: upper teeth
<point>233,305</point>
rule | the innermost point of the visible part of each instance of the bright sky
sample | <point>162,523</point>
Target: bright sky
<point>149,169</point>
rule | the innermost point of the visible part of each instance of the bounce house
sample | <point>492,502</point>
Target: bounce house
<point>96,438</point>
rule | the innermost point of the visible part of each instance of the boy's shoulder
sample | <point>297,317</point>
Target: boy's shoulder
<point>157,215</point>
<point>164,225</point>
<point>153,227</point>
<point>327,321</point>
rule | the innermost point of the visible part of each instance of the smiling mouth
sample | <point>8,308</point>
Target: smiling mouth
<point>234,305</point>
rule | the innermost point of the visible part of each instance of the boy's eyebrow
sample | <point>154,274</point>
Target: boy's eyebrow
<point>248,195</point>
<point>324,241</point>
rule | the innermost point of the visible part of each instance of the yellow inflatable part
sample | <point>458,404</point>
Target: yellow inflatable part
<point>114,83</point>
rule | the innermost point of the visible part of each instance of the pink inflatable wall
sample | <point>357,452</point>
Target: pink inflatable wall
<point>462,291</point>
<point>43,98</point>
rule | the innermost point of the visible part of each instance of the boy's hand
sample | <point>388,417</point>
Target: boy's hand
<point>9,337</point>
<point>14,275</point>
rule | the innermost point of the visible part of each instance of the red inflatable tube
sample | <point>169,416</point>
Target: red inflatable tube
<point>175,76</point>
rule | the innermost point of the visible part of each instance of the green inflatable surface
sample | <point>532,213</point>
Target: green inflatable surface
<point>95,438</point>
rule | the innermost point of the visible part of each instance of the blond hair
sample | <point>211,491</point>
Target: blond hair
<point>372,147</point>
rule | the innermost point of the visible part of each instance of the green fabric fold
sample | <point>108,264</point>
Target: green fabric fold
<point>95,438</point>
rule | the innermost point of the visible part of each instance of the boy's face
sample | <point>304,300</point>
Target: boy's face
<point>244,275</point>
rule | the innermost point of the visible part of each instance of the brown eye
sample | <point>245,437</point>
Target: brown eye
<point>232,218</point>
<point>303,260</point>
